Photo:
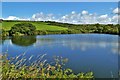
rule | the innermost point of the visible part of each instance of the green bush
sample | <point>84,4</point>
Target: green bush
<point>4,33</point>
<point>23,28</point>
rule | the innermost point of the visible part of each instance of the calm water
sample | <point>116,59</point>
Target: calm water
<point>86,52</point>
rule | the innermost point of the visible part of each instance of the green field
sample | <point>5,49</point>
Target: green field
<point>0,25</point>
<point>38,25</point>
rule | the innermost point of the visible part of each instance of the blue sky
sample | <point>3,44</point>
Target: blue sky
<point>60,0</point>
<point>27,9</point>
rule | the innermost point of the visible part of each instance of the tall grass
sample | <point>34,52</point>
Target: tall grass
<point>22,67</point>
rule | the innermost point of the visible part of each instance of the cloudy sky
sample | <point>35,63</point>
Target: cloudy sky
<point>66,12</point>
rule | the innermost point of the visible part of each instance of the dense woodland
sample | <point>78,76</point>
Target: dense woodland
<point>28,28</point>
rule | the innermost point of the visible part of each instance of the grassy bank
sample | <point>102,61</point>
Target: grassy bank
<point>16,68</point>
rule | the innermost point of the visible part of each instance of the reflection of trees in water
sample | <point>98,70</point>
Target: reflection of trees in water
<point>3,40</point>
<point>24,40</point>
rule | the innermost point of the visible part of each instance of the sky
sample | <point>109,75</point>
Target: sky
<point>66,12</point>
<point>60,0</point>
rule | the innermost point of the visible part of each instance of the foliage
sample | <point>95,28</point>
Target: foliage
<point>17,68</point>
<point>23,29</point>
<point>49,27</point>
<point>89,28</point>
<point>4,33</point>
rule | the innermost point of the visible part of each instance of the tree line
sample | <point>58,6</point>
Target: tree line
<point>27,28</point>
<point>89,28</point>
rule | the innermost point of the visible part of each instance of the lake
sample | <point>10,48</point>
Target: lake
<point>85,52</point>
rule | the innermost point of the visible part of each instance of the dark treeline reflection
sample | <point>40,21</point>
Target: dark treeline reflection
<point>2,40</point>
<point>24,40</point>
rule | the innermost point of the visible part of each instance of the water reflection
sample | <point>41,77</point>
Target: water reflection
<point>79,41</point>
<point>24,40</point>
<point>74,41</point>
<point>95,52</point>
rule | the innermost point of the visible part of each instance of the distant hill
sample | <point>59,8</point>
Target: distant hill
<point>1,20</point>
<point>7,24</point>
<point>51,27</point>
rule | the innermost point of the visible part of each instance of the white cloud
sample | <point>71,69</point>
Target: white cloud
<point>115,18</point>
<point>84,12</point>
<point>12,18</point>
<point>104,19</point>
<point>15,18</point>
<point>103,16</point>
<point>73,12</point>
<point>83,17</point>
<point>116,11</point>
<point>42,17</point>
<point>86,18</point>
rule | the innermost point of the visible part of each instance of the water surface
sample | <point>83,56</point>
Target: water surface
<point>85,52</point>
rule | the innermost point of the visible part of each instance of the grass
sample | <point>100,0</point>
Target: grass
<point>0,25</point>
<point>39,26</point>
<point>16,68</point>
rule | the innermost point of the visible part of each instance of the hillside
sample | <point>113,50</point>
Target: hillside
<point>39,25</point>
<point>49,27</point>
<point>0,25</point>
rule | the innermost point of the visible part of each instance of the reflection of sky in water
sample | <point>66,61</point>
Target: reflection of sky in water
<point>78,41</point>
<point>96,52</point>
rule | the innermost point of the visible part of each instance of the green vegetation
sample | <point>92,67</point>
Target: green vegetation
<point>0,25</point>
<point>89,28</point>
<point>48,27</point>
<point>22,29</point>
<point>17,68</point>
<point>6,25</point>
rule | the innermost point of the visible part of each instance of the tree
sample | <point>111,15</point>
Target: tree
<point>23,29</point>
